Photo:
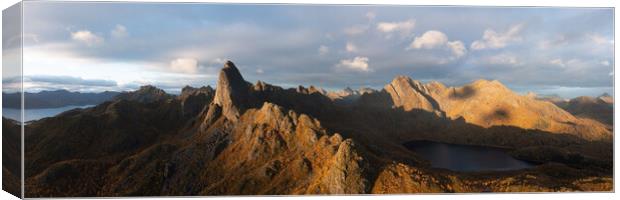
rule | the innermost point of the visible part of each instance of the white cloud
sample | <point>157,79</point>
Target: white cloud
<point>494,40</point>
<point>605,63</point>
<point>184,65</point>
<point>329,36</point>
<point>219,60</point>
<point>119,31</point>
<point>557,62</point>
<point>553,42</point>
<point>435,39</point>
<point>355,30</point>
<point>577,65</point>
<point>404,27</point>
<point>458,48</point>
<point>87,37</point>
<point>371,15</point>
<point>502,59</point>
<point>260,71</point>
<point>357,64</point>
<point>323,50</point>
<point>350,47</point>
<point>429,40</point>
<point>599,39</point>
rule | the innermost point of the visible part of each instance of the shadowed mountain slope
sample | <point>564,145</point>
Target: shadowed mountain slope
<point>600,108</point>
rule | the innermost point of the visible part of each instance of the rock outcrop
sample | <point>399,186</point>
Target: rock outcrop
<point>194,100</point>
<point>410,94</point>
<point>232,92</point>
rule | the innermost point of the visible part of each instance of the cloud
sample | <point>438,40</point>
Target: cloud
<point>260,71</point>
<point>494,40</point>
<point>605,63</point>
<point>429,40</point>
<point>87,37</point>
<point>458,48</point>
<point>557,62</point>
<point>355,30</point>
<point>119,31</point>
<point>553,42</point>
<point>435,40</point>
<point>68,80</point>
<point>502,59</point>
<point>350,47</point>
<point>286,47</point>
<point>371,15</point>
<point>323,50</point>
<point>599,39</point>
<point>356,64</point>
<point>404,27</point>
<point>219,60</point>
<point>184,65</point>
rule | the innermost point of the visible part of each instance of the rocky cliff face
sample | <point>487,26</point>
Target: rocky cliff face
<point>410,94</point>
<point>194,100</point>
<point>232,92</point>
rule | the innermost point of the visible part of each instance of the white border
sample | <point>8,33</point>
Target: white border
<point>561,3</point>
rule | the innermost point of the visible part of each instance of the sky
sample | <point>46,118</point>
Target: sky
<point>93,47</point>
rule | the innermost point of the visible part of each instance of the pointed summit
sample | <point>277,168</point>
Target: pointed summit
<point>232,90</point>
<point>411,94</point>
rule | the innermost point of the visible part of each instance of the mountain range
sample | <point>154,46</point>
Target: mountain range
<point>599,108</point>
<point>243,139</point>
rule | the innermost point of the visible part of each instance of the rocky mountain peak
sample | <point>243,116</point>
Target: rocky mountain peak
<point>583,99</point>
<point>145,94</point>
<point>411,94</point>
<point>435,87</point>
<point>150,89</point>
<point>488,84</point>
<point>366,90</point>
<point>188,90</point>
<point>606,98</point>
<point>232,91</point>
<point>313,89</point>
<point>349,90</point>
<point>531,95</point>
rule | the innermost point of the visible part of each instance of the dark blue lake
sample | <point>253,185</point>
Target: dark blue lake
<point>466,157</point>
<point>36,114</point>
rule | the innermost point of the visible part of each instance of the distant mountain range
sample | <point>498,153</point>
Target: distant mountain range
<point>55,99</point>
<point>599,108</point>
<point>242,138</point>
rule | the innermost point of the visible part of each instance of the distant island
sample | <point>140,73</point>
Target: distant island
<point>55,99</point>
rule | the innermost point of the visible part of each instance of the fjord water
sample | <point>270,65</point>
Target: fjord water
<point>36,114</point>
<point>466,158</point>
